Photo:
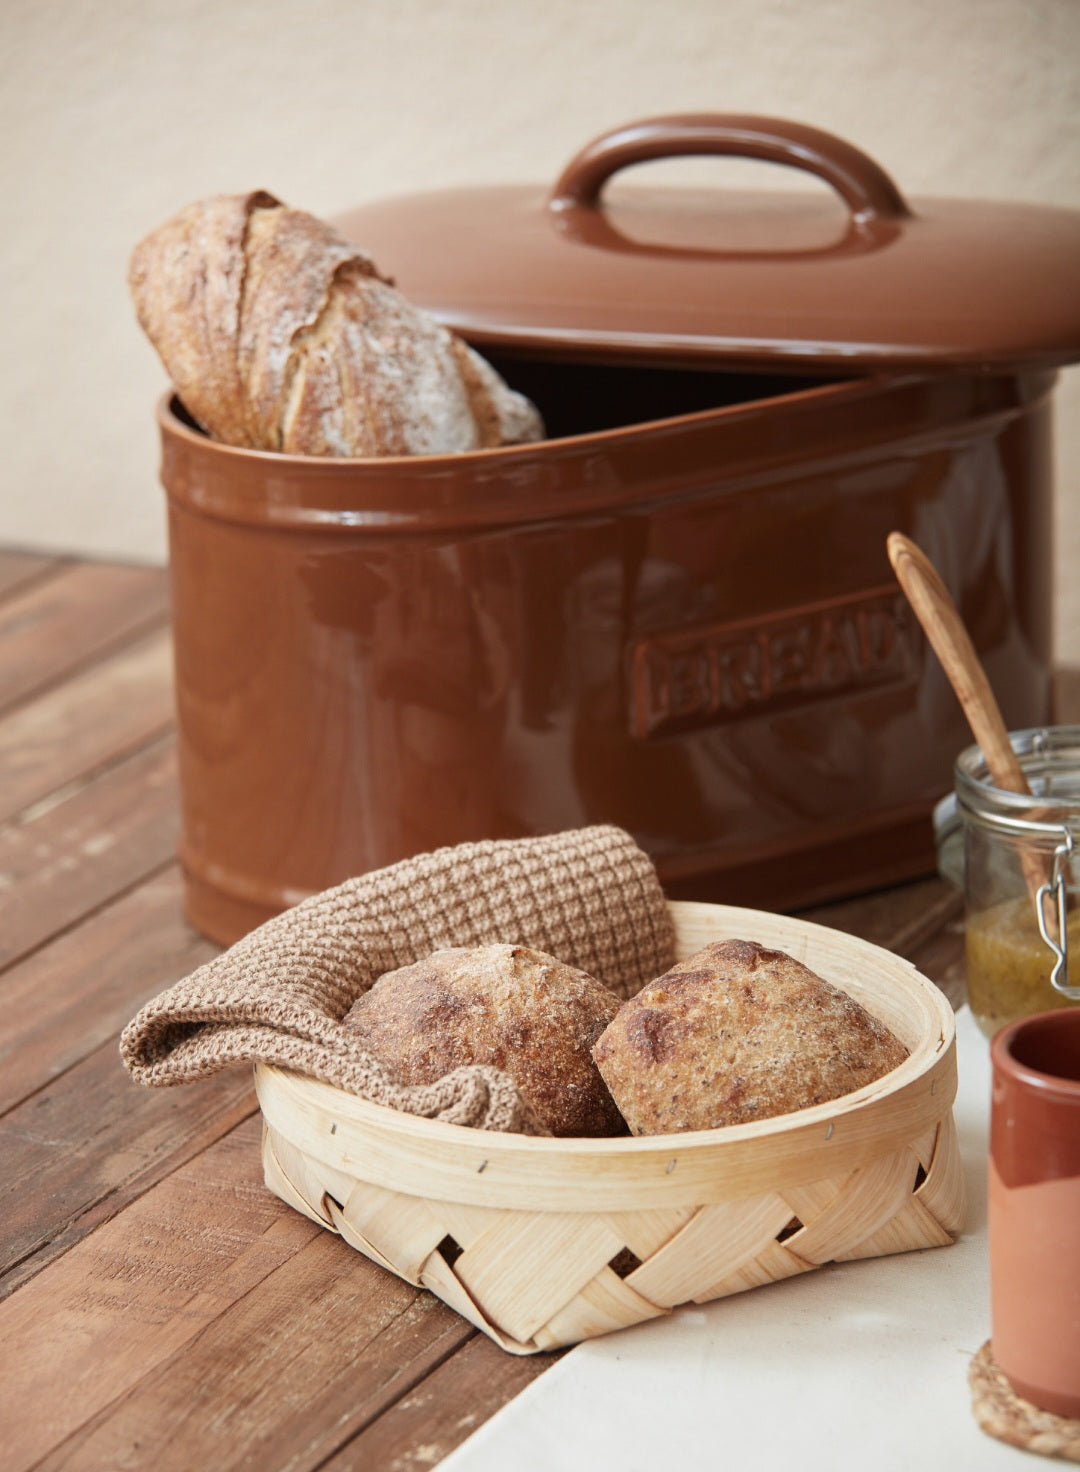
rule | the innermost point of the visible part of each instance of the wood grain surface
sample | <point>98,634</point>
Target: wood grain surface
<point>159,1308</point>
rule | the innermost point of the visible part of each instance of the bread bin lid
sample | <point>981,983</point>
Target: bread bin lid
<point>853,278</point>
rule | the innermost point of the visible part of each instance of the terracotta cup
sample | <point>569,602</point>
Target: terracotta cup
<point>1035,1208</point>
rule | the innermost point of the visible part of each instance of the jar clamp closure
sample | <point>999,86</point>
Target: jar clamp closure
<point>1018,938</point>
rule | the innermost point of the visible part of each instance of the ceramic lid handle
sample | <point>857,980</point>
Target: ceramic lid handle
<point>866,188</point>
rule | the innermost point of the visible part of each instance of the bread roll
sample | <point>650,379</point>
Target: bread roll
<point>280,335</point>
<point>738,1033</point>
<point>517,1009</point>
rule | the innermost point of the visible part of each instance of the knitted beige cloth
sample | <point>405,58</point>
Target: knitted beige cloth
<point>591,897</point>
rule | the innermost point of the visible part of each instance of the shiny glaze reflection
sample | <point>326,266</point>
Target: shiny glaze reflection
<point>375,659</point>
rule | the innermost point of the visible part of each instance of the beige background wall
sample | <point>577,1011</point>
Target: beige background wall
<point>113,114</point>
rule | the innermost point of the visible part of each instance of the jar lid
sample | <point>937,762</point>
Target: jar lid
<point>852,278</point>
<point>1049,757</point>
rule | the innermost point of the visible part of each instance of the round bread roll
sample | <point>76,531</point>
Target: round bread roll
<point>516,1009</point>
<point>738,1033</point>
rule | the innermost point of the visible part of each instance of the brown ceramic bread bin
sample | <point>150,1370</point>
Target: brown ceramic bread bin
<point>676,613</point>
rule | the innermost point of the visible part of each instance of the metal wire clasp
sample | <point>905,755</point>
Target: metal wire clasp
<point>1056,892</point>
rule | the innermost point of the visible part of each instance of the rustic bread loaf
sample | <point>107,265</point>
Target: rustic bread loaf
<point>516,1009</point>
<point>280,335</point>
<point>734,1034</point>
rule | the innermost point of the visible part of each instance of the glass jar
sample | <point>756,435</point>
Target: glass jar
<point>1021,877</point>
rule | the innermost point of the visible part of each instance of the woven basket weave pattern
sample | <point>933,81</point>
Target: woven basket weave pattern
<point>564,1255</point>
<point>538,1280</point>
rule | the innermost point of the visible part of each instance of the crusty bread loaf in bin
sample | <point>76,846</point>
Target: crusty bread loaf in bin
<point>736,1033</point>
<point>280,335</point>
<point>512,1007</point>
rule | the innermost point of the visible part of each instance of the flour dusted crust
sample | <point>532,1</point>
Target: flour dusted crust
<point>734,1034</point>
<point>513,1008</point>
<point>280,335</point>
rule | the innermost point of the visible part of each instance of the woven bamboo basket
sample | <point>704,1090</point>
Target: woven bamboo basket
<point>546,1242</point>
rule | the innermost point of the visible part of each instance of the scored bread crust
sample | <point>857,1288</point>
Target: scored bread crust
<point>190,309</point>
<point>738,1033</point>
<point>518,1010</point>
<point>293,264</point>
<point>280,335</point>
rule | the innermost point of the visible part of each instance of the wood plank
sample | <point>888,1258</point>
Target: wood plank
<point>425,1426</point>
<point>79,1151</point>
<point>79,1335</point>
<point>60,624</point>
<point>69,997</point>
<point>20,569</point>
<point>892,918</point>
<point>89,721</point>
<point>76,856</point>
<point>281,1378</point>
<point>227,1331</point>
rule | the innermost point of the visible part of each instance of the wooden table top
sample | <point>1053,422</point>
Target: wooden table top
<point>158,1306</point>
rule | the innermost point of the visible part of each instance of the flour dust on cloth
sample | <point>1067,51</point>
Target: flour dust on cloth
<point>590,897</point>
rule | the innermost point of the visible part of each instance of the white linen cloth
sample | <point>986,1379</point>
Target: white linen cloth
<point>858,1367</point>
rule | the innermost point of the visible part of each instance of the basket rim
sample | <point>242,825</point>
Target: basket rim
<point>452,1162</point>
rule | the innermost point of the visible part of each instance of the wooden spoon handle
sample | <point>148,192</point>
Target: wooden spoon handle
<point>943,626</point>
